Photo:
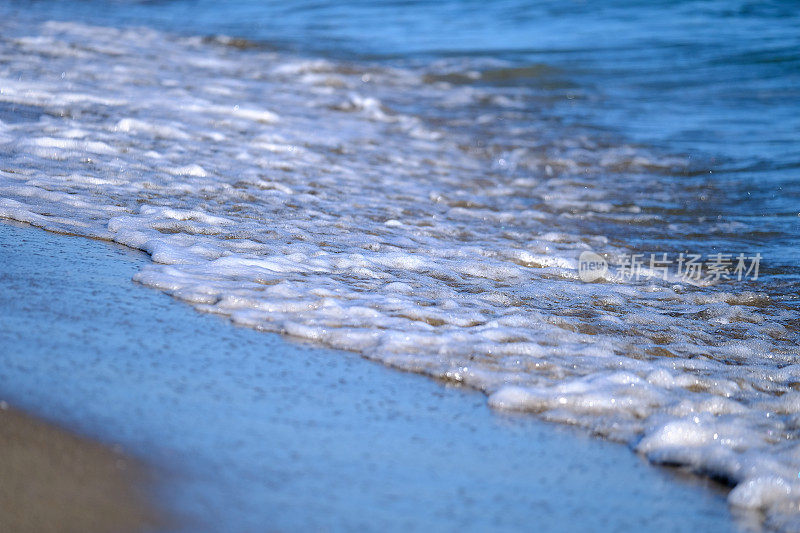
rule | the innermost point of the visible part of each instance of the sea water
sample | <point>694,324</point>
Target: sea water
<point>420,183</point>
<point>244,431</point>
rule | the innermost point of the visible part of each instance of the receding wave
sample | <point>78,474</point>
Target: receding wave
<point>304,196</point>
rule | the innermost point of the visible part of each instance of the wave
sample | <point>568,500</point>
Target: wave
<point>366,208</point>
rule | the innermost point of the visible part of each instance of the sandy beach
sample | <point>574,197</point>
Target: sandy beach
<point>55,481</point>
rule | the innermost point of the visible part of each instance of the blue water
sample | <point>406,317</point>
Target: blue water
<point>716,83</point>
<point>651,127</point>
<point>250,432</point>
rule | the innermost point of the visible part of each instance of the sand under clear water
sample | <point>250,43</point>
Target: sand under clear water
<point>249,431</point>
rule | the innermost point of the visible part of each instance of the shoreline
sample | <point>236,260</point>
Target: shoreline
<point>246,422</point>
<point>361,207</point>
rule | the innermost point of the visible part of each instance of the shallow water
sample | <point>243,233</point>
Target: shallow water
<point>420,191</point>
<point>249,432</point>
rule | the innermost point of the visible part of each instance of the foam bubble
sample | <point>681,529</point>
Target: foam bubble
<point>345,219</point>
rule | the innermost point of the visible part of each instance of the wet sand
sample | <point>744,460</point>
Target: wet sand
<point>249,431</point>
<point>54,481</point>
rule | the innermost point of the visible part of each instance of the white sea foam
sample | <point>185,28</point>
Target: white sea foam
<point>297,196</point>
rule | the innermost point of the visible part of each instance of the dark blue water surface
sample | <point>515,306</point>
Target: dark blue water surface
<point>715,83</point>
